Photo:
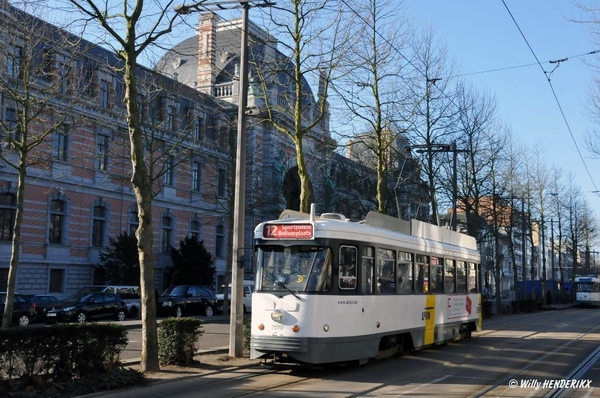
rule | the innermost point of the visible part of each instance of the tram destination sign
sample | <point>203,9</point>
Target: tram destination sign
<point>288,231</point>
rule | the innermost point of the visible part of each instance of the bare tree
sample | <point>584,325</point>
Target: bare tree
<point>577,213</point>
<point>540,176</point>
<point>38,91</point>
<point>479,142</point>
<point>133,27</point>
<point>375,65</point>
<point>497,209</point>
<point>590,16</point>
<point>309,32</point>
<point>559,211</point>
<point>433,122</point>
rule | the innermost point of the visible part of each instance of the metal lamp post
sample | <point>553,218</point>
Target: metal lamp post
<point>237,275</point>
<point>447,148</point>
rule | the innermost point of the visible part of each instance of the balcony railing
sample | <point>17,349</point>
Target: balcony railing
<point>223,90</point>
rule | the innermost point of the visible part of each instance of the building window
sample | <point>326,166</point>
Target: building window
<point>134,222</point>
<point>221,183</point>
<point>57,277</point>
<point>169,170</point>
<point>63,74</point>
<point>12,124</point>
<point>14,61</point>
<point>196,175</point>
<point>48,65</point>
<point>3,278</point>
<point>220,241</point>
<point>61,143</point>
<point>166,233</point>
<point>105,93</point>
<point>223,137</point>
<point>89,81</point>
<point>171,125</point>
<point>98,226</point>
<point>198,128</point>
<point>57,221</point>
<point>8,210</point>
<point>195,229</point>
<point>210,129</point>
<point>141,105</point>
<point>103,142</point>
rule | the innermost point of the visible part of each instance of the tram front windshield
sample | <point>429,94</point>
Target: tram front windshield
<point>297,268</point>
<point>587,287</point>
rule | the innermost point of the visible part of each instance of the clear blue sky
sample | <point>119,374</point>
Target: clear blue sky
<point>481,36</point>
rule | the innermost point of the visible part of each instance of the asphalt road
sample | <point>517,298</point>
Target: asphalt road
<point>506,359</point>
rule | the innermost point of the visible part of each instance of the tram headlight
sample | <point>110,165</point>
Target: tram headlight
<point>326,327</point>
<point>277,315</point>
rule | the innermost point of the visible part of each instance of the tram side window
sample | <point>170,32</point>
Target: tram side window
<point>367,270</point>
<point>461,277</point>
<point>405,273</point>
<point>386,270</point>
<point>436,275</point>
<point>449,276</point>
<point>421,274</point>
<point>472,278</point>
<point>347,270</point>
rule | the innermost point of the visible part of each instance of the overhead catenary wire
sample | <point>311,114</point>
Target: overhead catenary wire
<point>564,117</point>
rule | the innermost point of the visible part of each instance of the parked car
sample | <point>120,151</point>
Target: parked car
<point>130,294</point>
<point>248,288</point>
<point>23,310</point>
<point>88,307</point>
<point>187,300</point>
<point>41,302</point>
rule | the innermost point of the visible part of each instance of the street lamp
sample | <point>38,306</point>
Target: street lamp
<point>446,148</point>
<point>237,275</point>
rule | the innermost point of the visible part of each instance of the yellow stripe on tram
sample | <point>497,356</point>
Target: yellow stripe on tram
<point>480,310</point>
<point>429,317</point>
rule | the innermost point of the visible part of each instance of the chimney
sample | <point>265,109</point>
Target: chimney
<point>206,52</point>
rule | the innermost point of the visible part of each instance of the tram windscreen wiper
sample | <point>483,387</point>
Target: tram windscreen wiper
<point>283,285</point>
<point>279,282</point>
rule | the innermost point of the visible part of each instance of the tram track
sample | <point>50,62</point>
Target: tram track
<point>509,383</point>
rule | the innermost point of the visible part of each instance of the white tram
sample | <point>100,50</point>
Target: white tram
<point>329,290</point>
<point>587,290</point>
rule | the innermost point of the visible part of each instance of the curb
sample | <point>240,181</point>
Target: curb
<point>216,350</point>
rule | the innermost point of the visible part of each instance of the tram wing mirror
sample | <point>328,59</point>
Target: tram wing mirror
<point>241,257</point>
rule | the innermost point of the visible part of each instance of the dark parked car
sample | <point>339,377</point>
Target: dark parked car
<point>42,303</point>
<point>187,300</point>
<point>130,294</point>
<point>88,307</point>
<point>23,310</point>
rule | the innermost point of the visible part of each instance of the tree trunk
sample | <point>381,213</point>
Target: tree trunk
<point>16,244</point>
<point>142,186</point>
